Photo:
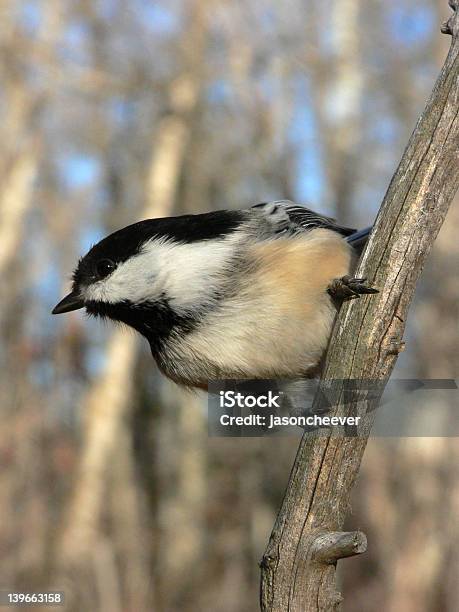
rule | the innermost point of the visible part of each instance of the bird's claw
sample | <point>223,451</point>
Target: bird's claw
<point>348,288</point>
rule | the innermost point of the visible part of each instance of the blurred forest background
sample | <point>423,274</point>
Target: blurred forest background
<point>114,111</point>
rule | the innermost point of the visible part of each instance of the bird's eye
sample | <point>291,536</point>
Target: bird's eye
<point>104,267</point>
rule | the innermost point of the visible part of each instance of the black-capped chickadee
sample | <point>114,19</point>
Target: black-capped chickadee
<point>230,294</point>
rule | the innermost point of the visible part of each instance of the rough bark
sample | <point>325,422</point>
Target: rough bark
<point>367,338</point>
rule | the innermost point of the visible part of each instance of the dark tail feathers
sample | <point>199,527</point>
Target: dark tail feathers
<point>359,239</point>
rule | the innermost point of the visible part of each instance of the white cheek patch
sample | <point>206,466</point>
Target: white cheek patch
<point>183,273</point>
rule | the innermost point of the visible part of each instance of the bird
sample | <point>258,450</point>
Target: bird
<point>246,294</point>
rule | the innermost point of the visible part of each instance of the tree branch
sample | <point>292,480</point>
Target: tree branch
<point>298,568</point>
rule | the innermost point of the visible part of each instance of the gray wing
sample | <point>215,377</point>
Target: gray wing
<point>285,217</point>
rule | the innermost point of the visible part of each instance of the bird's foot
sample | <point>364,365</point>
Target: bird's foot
<point>348,288</point>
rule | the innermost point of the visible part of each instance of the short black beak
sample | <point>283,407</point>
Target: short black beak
<point>72,301</point>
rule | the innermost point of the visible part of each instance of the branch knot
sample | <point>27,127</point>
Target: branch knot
<point>451,26</point>
<point>329,547</point>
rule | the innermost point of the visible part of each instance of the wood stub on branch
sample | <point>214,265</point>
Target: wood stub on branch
<point>322,551</point>
<point>451,26</point>
<point>334,545</point>
<point>298,568</point>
